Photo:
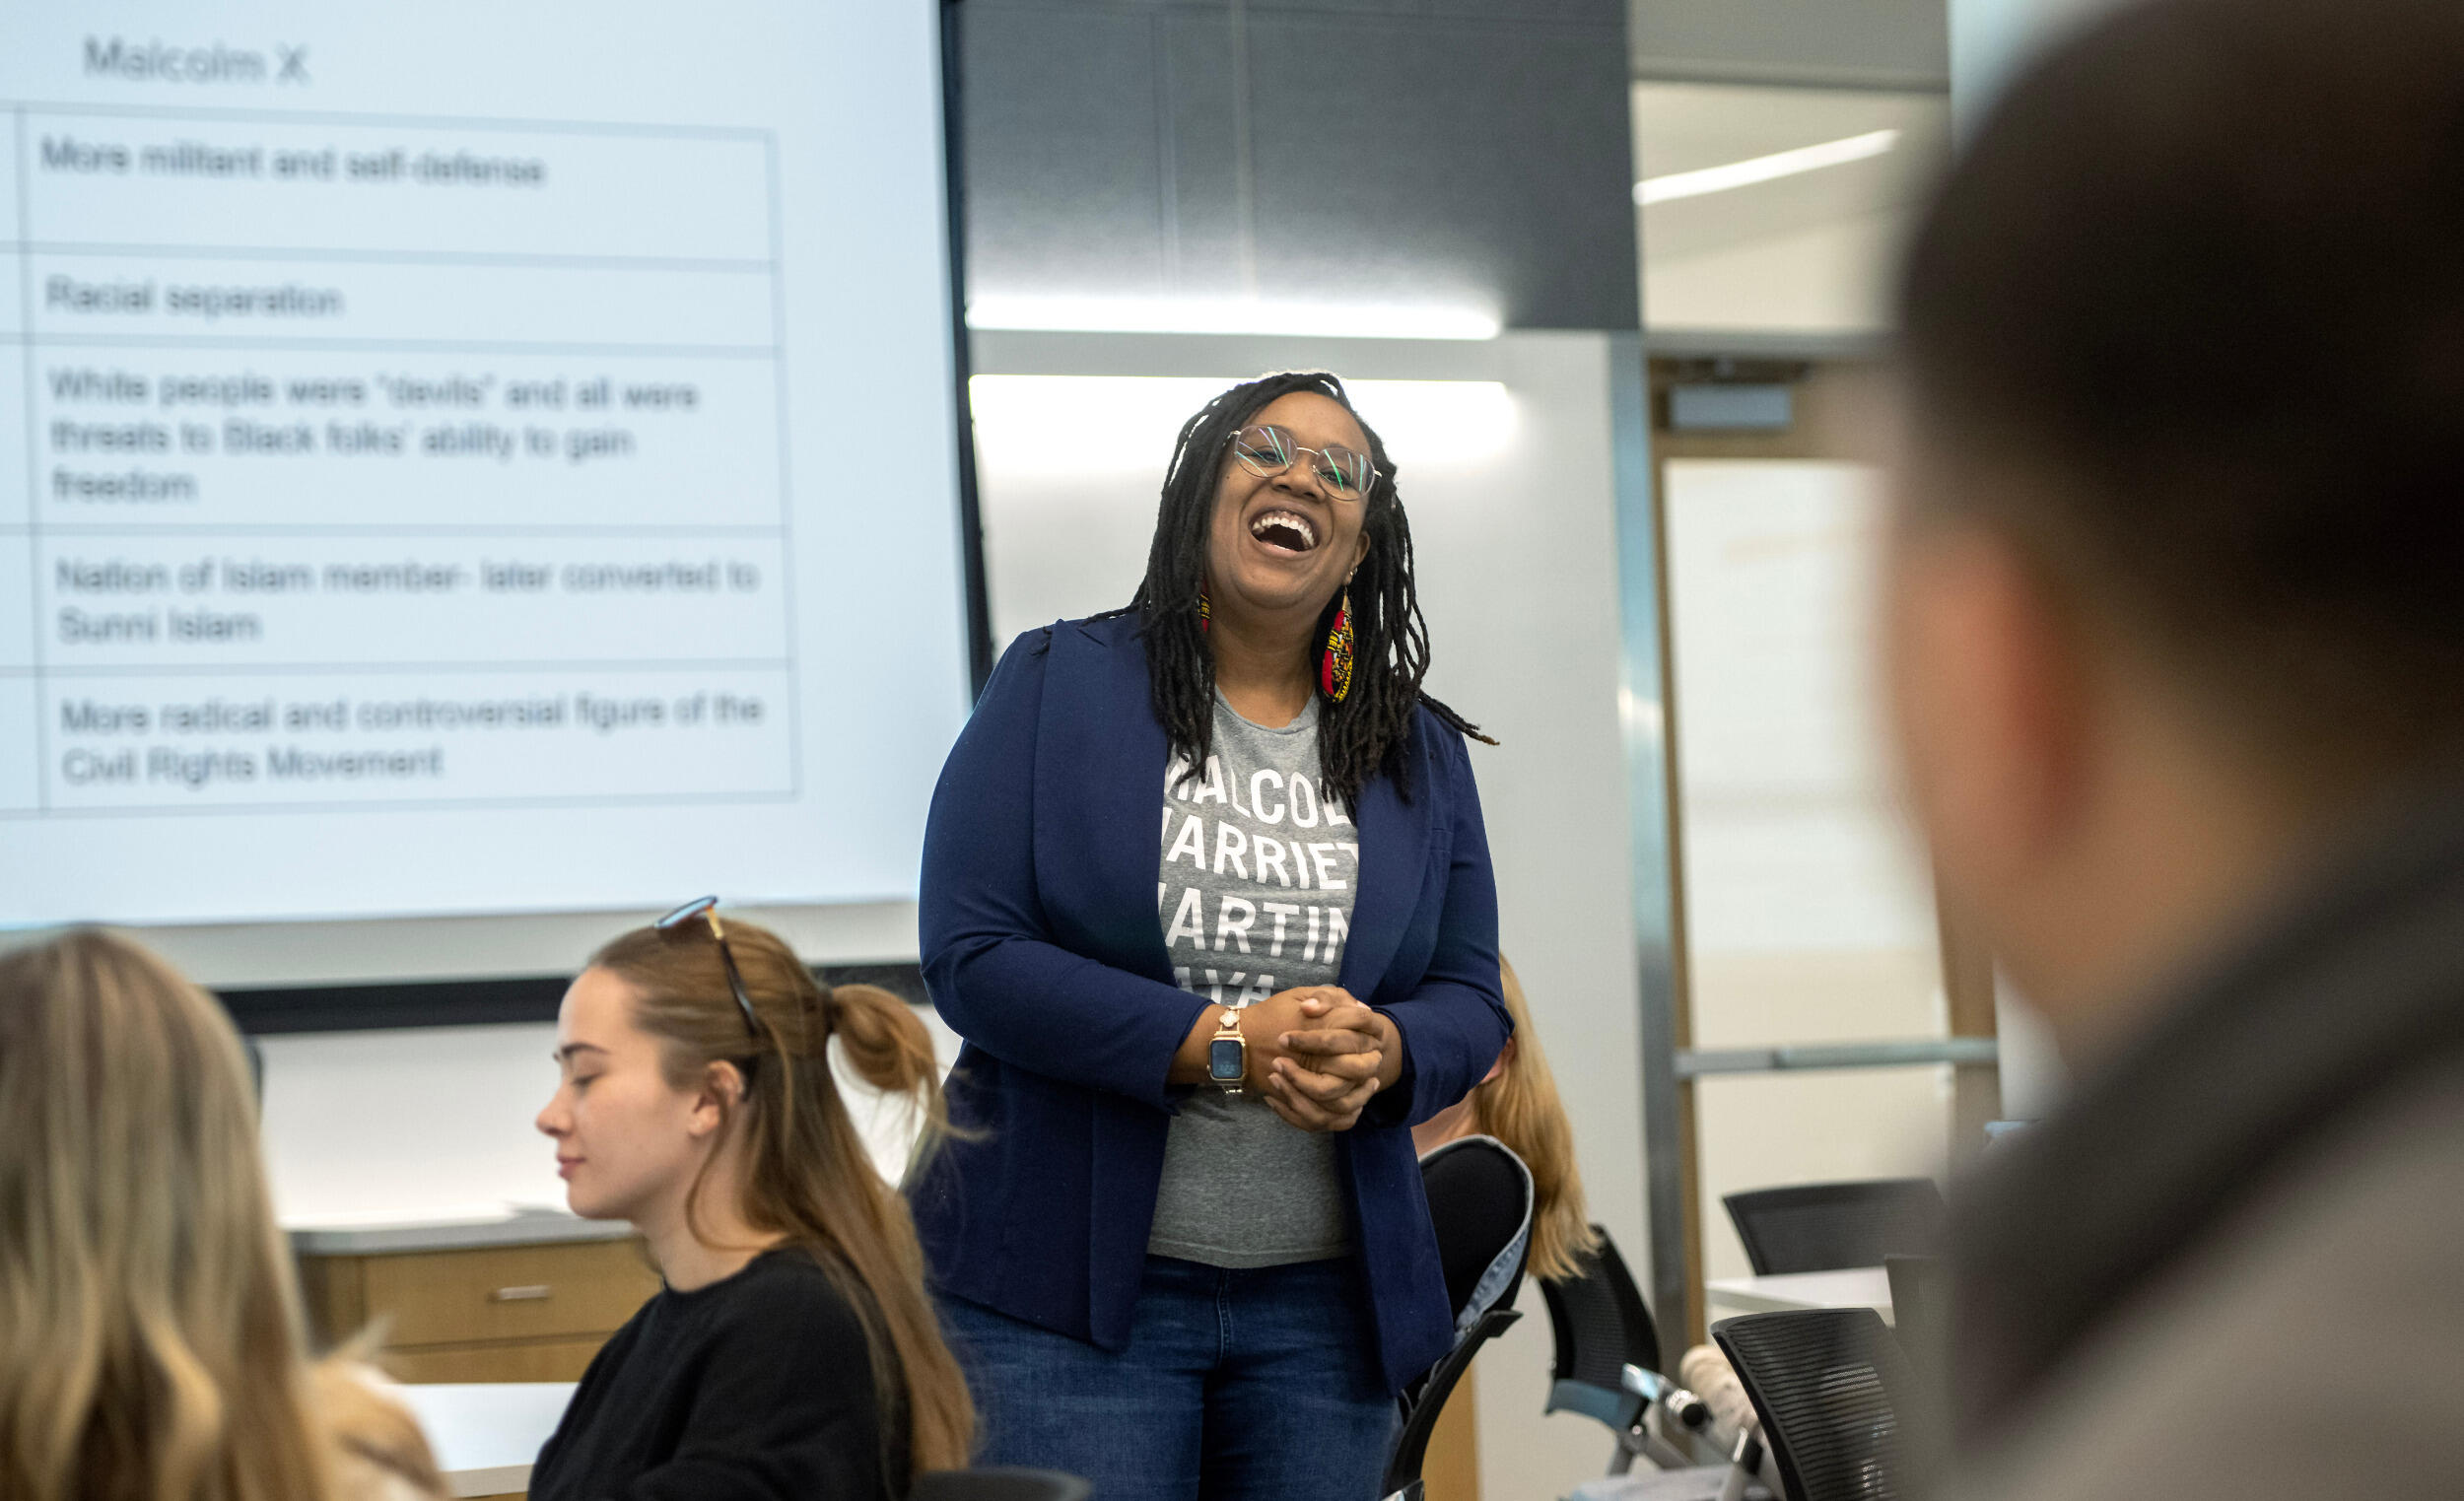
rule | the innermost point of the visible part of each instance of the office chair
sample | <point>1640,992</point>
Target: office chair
<point>1601,1327</point>
<point>1920,1320</point>
<point>1428,1399</point>
<point>1920,1305</point>
<point>1607,1369</point>
<point>1480,1198</point>
<point>1480,1201</point>
<point>998,1483</point>
<point>1831,1389</point>
<point>1828,1226</point>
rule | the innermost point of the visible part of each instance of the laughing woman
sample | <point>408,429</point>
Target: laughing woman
<point>1184,1235</point>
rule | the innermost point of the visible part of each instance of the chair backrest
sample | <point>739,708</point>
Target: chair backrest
<point>1403,1472</point>
<point>999,1483</point>
<point>1826,1226</point>
<point>1920,1303</point>
<point>1481,1205</point>
<point>1831,1389</point>
<point>1602,1325</point>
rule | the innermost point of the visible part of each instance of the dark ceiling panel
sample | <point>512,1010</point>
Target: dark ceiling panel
<point>1474,161</point>
<point>1451,152</point>
<point>1064,190</point>
<point>1871,43</point>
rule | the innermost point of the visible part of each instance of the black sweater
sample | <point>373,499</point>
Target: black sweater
<point>757,1385</point>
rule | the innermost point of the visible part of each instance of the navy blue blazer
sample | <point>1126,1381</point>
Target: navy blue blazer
<point>1042,948</point>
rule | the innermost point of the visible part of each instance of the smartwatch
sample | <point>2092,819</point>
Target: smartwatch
<point>1228,1053</point>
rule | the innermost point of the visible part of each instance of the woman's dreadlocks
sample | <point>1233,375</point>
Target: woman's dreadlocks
<point>1367,732</point>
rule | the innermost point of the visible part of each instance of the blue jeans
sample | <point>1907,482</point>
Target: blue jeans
<point>1237,1386</point>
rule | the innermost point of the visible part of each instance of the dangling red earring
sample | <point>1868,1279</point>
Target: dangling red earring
<point>1206,612</point>
<point>1334,670</point>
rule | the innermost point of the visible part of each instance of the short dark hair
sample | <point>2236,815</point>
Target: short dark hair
<point>1366,733</point>
<point>2202,267</point>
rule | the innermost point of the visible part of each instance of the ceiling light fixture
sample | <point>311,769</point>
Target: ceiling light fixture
<point>1016,416</point>
<point>1228,315</point>
<point>1753,170</point>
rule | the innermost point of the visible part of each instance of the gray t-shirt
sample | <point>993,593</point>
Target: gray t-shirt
<point>1255,895</point>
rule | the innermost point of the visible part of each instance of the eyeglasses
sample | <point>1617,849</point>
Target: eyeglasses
<point>707,909</point>
<point>1268,451</point>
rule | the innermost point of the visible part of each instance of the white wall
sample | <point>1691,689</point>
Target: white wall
<point>1828,279</point>
<point>1513,527</point>
<point>363,1126</point>
<point>434,1123</point>
<point>375,1127</point>
<point>1809,917</point>
<point>1810,254</point>
<point>1989,40</point>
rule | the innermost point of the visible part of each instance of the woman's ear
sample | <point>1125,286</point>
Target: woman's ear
<point>723,1089</point>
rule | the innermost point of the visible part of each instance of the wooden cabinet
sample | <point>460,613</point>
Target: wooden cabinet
<point>489,1313</point>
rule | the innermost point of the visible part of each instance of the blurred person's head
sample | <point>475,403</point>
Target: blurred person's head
<point>1517,1103</point>
<point>2174,585</point>
<point>679,1113</point>
<point>150,1333</point>
<point>1279,507</point>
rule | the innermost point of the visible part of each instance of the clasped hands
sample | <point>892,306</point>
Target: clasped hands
<point>1315,1054</point>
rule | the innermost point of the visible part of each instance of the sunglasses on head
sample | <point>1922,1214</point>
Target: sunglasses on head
<point>707,909</point>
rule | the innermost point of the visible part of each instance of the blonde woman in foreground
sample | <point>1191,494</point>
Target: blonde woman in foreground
<point>154,1348</point>
<point>1516,1102</point>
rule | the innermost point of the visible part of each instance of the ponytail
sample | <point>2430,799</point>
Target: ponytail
<point>808,1176</point>
<point>885,1046</point>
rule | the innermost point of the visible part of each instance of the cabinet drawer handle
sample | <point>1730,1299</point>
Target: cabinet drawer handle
<point>535,1293</point>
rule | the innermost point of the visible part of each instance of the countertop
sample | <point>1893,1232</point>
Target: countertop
<point>457,1229</point>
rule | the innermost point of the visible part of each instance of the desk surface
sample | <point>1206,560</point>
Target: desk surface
<point>485,1435</point>
<point>1781,1292</point>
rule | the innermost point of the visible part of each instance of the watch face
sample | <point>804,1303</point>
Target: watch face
<point>1225,1062</point>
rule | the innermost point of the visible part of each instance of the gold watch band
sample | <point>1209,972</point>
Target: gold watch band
<point>1228,1028</point>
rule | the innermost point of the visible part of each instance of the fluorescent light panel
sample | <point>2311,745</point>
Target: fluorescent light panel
<point>1346,320</point>
<point>1753,170</point>
<point>1046,424</point>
